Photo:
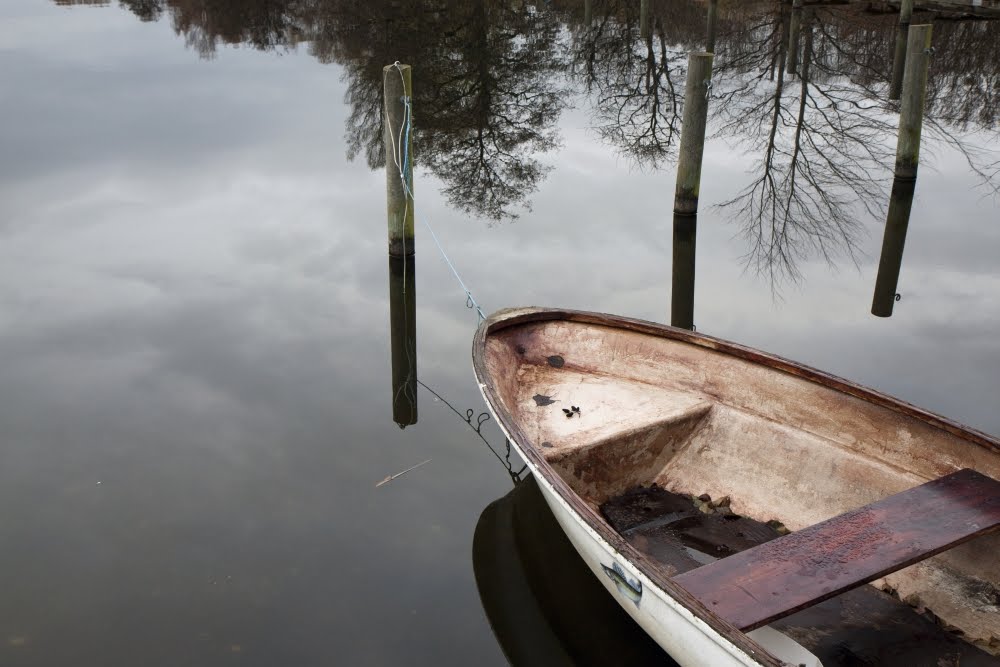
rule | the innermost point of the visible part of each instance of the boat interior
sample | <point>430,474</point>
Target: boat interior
<point>696,452</point>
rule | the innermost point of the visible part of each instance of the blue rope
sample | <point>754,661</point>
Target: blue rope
<point>404,170</point>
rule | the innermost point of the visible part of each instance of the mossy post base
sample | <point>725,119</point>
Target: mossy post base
<point>896,224</point>
<point>682,278</point>
<point>911,110</point>
<point>692,150</point>
<point>398,90</point>
<point>899,53</point>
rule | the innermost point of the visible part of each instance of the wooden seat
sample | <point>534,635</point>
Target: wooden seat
<point>754,587</point>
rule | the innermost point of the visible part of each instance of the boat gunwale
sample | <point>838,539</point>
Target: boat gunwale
<point>509,318</point>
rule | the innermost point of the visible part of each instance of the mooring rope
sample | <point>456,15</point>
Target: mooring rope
<point>477,426</point>
<point>400,145</point>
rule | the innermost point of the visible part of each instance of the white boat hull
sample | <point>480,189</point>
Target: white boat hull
<point>687,639</point>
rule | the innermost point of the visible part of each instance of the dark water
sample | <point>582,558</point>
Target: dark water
<point>195,396</point>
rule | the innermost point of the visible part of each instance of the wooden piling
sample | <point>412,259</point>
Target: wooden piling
<point>713,22</point>
<point>403,339</point>
<point>899,53</point>
<point>905,11</point>
<point>588,12</point>
<point>692,148</point>
<point>896,223</point>
<point>644,19</point>
<point>793,37</point>
<point>398,91</point>
<point>683,269</point>
<point>911,111</point>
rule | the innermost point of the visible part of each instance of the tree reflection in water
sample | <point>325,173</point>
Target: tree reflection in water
<point>823,141</point>
<point>636,85</point>
<point>485,92</point>
<point>491,79</point>
<point>826,140</point>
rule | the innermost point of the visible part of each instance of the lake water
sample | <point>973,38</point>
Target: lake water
<point>196,398</point>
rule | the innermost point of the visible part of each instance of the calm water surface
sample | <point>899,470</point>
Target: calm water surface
<point>195,394</point>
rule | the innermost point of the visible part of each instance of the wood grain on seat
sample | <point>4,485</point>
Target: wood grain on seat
<point>770,581</point>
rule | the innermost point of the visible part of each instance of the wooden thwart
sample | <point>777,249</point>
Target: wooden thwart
<point>778,578</point>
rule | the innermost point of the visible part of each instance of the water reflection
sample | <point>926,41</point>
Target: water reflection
<point>801,90</point>
<point>403,339</point>
<point>823,141</point>
<point>486,101</point>
<point>544,605</point>
<point>897,221</point>
<point>683,271</point>
<point>820,143</point>
<point>635,79</point>
<point>194,315</point>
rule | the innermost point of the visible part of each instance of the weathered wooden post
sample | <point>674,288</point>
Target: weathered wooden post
<point>896,224</point>
<point>588,12</point>
<point>398,91</point>
<point>682,283</point>
<point>699,80</point>
<point>713,21</point>
<point>911,111</point>
<point>899,54</point>
<point>644,19</point>
<point>403,339</point>
<point>793,37</point>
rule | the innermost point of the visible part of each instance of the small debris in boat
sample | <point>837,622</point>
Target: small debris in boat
<point>681,530</point>
<point>778,526</point>
<point>547,445</point>
<point>520,349</point>
<point>402,472</point>
<point>721,502</point>
<point>703,507</point>
<point>542,400</point>
<point>556,361</point>
<point>572,410</point>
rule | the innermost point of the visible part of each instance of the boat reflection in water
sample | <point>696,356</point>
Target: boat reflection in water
<point>543,603</point>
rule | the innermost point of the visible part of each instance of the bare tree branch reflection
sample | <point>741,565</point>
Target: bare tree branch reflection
<point>489,95</point>
<point>492,107</point>
<point>637,84</point>
<point>822,143</point>
<point>486,96</point>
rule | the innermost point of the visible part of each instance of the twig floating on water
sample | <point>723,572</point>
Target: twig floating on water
<point>401,473</point>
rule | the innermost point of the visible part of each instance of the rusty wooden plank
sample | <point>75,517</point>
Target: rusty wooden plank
<point>765,583</point>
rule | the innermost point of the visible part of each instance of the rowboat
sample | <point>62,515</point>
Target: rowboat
<point>745,509</point>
